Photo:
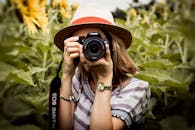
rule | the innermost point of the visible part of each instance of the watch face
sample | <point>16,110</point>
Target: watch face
<point>100,87</point>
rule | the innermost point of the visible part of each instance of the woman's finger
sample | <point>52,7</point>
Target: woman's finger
<point>107,54</point>
<point>71,39</point>
<point>71,42</point>
<point>72,50</point>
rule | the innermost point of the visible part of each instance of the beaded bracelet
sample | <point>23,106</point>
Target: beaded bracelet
<point>69,99</point>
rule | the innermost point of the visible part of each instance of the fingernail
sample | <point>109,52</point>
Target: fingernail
<point>76,38</point>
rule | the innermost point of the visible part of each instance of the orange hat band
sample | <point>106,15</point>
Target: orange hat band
<point>85,20</point>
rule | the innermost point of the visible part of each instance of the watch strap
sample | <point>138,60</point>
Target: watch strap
<point>102,87</point>
<point>107,87</point>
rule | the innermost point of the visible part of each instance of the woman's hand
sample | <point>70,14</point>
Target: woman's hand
<point>102,68</point>
<point>71,51</point>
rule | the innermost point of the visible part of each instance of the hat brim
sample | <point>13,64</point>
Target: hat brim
<point>66,32</point>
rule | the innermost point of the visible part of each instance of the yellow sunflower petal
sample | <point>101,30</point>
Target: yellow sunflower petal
<point>64,4</point>
<point>133,12</point>
<point>24,10</point>
<point>65,13</point>
<point>33,14</point>
<point>75,6</point>
<point>42,3</point>
<point>29,24</point>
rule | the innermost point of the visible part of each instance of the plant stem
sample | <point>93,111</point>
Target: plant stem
<point>45,56</point>
<point>182,53</point>
<point>168,41</point>
<point>166,44</point>
<point>44,63</point>
<point>185,52</point>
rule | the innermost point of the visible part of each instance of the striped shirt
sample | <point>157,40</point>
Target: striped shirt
<point>127,104</point>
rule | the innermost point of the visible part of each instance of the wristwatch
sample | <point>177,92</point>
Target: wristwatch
<point>101,87</point>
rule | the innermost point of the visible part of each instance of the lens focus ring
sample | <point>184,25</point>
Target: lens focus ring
<point>94,48</point>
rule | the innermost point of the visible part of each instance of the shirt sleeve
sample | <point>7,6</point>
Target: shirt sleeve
<point>130,102</point>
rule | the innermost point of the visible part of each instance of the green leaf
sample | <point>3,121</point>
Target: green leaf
<point>161,64</point>
<point>166,77</point>
<point>39,101</point>
<point>192,63</point>
<point>22,76</point>
<point>149,109</point>
<point>22,127</point>
<point>157,90</point>
<point>15,108</point>
<point>5,70</point>
<point>34,70</point>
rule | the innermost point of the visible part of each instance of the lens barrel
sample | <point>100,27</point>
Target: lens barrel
<point>94,48</point>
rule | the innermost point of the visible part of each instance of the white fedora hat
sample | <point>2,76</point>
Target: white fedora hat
<point>92,16</point>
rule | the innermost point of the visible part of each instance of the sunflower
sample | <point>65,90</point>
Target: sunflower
<point>55,3</point>
<point>75,6</point>
<point>32,13</point>
<point>133,12</point>
<point>64,8</point>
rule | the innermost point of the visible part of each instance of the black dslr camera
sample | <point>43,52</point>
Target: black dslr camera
<point>93,46</point>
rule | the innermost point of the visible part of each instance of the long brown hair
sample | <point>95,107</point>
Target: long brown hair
<point>122,63</point>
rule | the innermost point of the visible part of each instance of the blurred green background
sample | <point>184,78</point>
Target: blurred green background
<point>163,48</point>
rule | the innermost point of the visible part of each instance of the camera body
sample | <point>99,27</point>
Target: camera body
<point>93,46</point>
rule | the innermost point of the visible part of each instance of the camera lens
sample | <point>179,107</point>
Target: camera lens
<point>94,48</point>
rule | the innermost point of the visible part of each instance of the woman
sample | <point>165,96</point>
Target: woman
<point>98,94</point>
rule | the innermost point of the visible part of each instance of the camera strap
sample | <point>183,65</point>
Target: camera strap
<point>54,97</point>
